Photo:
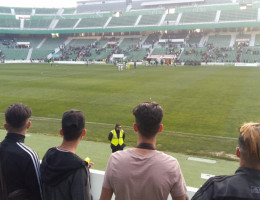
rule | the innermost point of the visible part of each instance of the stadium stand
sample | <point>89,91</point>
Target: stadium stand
<point>257,40</point>
<point>66,23</point>
<point>243,36</point>
<point>129,43</point>
<point>156,28</point>
<point>5,10</point>
<point>37,23</point>
<point>170,18</point>
<point>198,17</point>
<point>81,42</point>
<point>9,23</point>
<point>92,22</point>
<point>23,11</point>
<point>11,51</point>
<point>137,55</point>
<point>99,7</point>
<point>238,15</point>
<point>68,11</point>
<point>219,40</point>
<point>123,21</point>
<point>160,50</point>
<point>46,11</point>
<point>15,54</point>
<point>150,19</point>
<point>174,35</point>
<point>251,55</point>
<point>152,38</point>
<point>194,38</point>
<point>43,47</point>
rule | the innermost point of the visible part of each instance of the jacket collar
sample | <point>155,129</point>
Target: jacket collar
<point>249,172</point>
<point>15,137</point>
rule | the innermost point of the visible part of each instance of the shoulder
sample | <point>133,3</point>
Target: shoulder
<point>83,171</point>
<point>26,156</point>
<point>63,157</point>
<point>80,175</point>
<point>213,186</point>
<point>217,180</point>
<point>27,150</point>
<point>166,158</point>
<point>121,156</point>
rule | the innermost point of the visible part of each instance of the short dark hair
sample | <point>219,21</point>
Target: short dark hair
<point>148,117</point>
<point>73,123</point>
<point>16,116</point>
<point>117,125</point>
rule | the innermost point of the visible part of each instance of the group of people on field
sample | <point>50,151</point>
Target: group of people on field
<point>140,173</point>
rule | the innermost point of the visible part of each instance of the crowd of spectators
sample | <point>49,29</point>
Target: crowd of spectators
<point>81,53</point>
<point>212,53</point>
<point>187,50</point>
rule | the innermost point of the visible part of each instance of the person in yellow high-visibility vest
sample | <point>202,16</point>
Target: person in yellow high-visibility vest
<point>117,137</point>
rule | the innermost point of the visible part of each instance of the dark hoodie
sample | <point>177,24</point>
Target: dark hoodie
<point>65,176</point>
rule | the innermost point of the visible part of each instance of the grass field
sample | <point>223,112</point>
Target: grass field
<point>204,106</point>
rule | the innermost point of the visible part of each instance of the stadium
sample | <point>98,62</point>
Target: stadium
<point>197,58</point>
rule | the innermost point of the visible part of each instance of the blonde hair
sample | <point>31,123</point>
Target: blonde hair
<point>249,141</point>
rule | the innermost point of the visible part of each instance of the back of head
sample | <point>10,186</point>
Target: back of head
<point>73,123</point>
<point>148,117</point>
<point>16,116</point>
<point>249,143</point>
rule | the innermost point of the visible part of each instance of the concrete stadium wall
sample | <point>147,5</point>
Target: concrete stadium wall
<point>97,177</point>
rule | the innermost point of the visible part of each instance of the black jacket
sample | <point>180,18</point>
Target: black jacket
<point>243,185</point>
<point>65,176</point>
<point>20,166</point>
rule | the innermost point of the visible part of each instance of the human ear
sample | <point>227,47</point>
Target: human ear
<point>28,124</point>
<point>238,152</point>
<point>6,126</point>
<point>135,127</point>
<point>161,128</point>
<point>61,132</point>
<point>84,132</point>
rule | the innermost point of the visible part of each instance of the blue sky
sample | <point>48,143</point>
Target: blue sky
<point>39,3</point>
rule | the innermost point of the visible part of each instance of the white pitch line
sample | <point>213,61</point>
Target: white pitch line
<point>202,160</point>
<point>165,131</point>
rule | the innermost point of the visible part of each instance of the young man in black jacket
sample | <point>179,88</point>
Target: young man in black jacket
<point>65,176</point>
<point>20,164</point>
<point>245,183</point>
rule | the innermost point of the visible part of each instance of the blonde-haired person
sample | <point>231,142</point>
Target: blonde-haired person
<point>245,183</point>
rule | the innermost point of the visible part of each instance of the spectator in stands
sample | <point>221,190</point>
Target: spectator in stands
<point>19,174</point>
<point>143,172</point>
<point>246,181</point>
<point>64,175</point>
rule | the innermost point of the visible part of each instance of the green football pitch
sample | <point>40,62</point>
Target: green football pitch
<point>204,106</point>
